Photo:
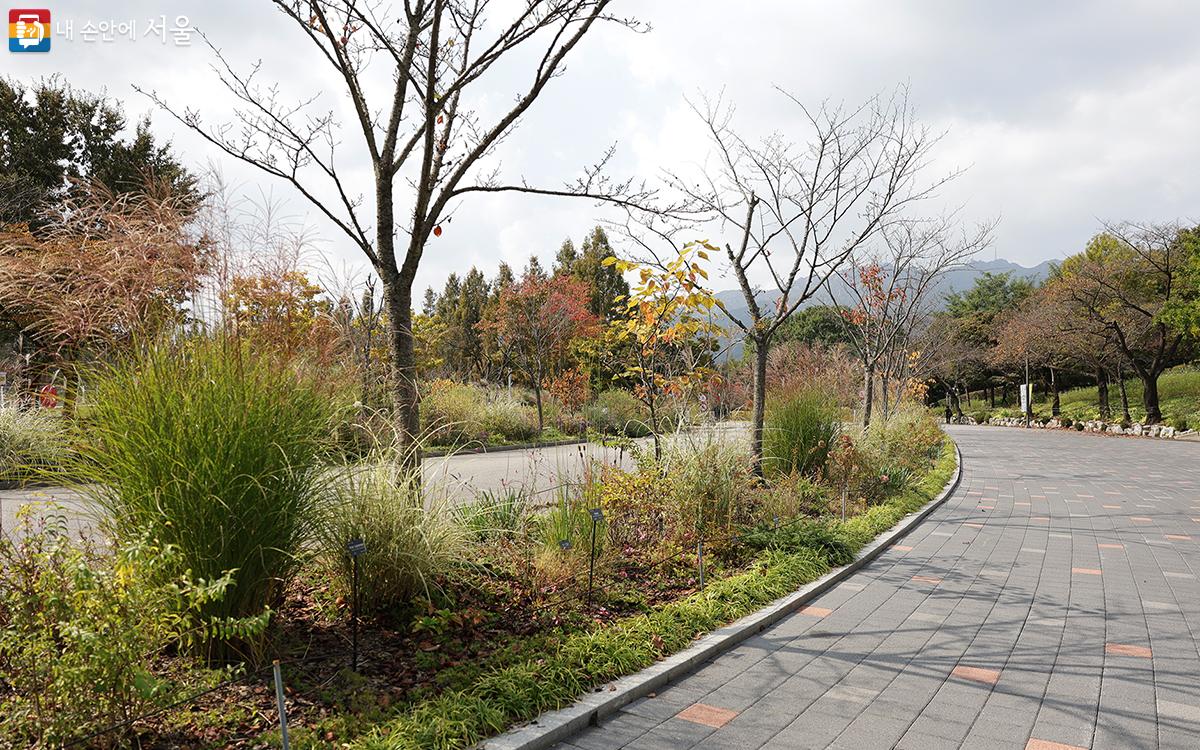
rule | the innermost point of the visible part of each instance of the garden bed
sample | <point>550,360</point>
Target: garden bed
<point>504,652</point>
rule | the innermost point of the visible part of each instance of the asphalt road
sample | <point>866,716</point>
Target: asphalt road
<point>459,477</point>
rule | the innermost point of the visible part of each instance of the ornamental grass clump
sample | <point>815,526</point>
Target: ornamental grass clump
<point>799,433</point>
<point>411,533</point>
<point>214,450</point>
<point>31,440</point>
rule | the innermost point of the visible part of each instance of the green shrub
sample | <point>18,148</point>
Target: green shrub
<point>1079,426</point>
<point>411,539</point>
<point>617,412</point>
<point>510,420</point>
<point>820,536</point>
<point>1067,421</point>
<point>31,440</point>
<point>216,451</point>
<point>451,412</point>
<point>83,630</point>
<point>1179,423</point>
<point>799,433</point>
<point>981,417</point>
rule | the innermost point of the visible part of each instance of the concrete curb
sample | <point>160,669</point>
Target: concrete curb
<point>443,452</point>
<point>555,726</point>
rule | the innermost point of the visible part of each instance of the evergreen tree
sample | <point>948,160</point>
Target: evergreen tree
<point>52,136</point>
<point>564,262</point>
<point>534,270</point>
<point>606,281</point>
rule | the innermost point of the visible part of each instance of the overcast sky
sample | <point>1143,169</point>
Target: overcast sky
<point>1064,113</point>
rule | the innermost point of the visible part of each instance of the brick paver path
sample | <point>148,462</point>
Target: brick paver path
<point>1051,603</point>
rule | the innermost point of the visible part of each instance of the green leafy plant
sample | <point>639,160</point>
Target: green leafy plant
<point>799,433</point>
<point>83,629</point>
<point>213,450</point>
<point>617,412</point>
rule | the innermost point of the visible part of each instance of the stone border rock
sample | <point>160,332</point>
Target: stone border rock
<point>1136,429</point>
<point>555,726</point>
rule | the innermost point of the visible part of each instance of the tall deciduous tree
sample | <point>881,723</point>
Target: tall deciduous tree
<point>890,288</point>
<point>1126,279</point>
<point>427,135</point>
<point>797,206</point>
<point>538,320</point>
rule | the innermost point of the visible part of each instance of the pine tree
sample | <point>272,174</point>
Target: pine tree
<point>564,262</point>
<point>606,281</point>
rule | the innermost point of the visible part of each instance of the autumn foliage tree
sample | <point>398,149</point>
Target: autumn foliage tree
<point>538,320</point>
<point>665,329</point>
<point>284,311</point>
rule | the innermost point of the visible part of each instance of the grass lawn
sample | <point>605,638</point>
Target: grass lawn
<point>1178,395</point>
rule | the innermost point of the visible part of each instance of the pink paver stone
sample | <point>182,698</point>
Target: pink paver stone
<point>902,548</point>
<point>987,507</point>
<point>927,579</point>
<point>1036,744</point>
<point>1124,649</point>
<point>1040,518</point>
<point>976,674</point>
<point>1111,507</point>
<point>1111,546</point>
<point>1085,571</point>
<point>709,716</point>
<point>1178,537</point>
<point>815,611</point>
<point>1141,519</point>
<point>974,525</point>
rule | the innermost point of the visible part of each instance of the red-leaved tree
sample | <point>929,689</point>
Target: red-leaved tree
<point>537,320</point>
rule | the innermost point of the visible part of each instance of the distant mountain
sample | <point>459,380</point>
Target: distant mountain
<point>958,280</point>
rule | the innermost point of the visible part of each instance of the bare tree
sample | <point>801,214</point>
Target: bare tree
<point>798,212</point>
<point>888,288</point>
<point>425,132</point>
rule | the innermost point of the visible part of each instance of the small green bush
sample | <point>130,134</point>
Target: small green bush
<point>1067,422</point>
<point>1079,426</point>
<point>813,534</point>
<point>1179,423</point>
<point>411,539</point>
<point>799,433</point>
<point>83,630</point>
<point>31,441</point>
<point>216,451</point>
<point>617,412</point>
<point>509,420</point>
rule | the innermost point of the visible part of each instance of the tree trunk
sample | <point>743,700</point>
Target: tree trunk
<point>1102,394</point>
<point>883,392</point>
<point>868,394</point>
<point>537,396</point>
<point>406,415</point>
<point>992,396</point>
<point>1055,403</point>
<point>652,405</point>
<point>1150,397</point>
<point>955,402</point>
<point>760,406</point>
<point>1124,395</point>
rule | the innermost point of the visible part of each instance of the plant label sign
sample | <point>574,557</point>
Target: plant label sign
<point>356,547</point>
<point>597,514</point>
<point>564,544</point>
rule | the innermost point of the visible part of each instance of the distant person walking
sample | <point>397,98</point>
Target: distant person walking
<point>949,414</point>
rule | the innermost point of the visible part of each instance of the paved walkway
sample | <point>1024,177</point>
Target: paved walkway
<point>1051,603</point>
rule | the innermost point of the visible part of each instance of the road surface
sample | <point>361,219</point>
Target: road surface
<point>1051,603</point>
